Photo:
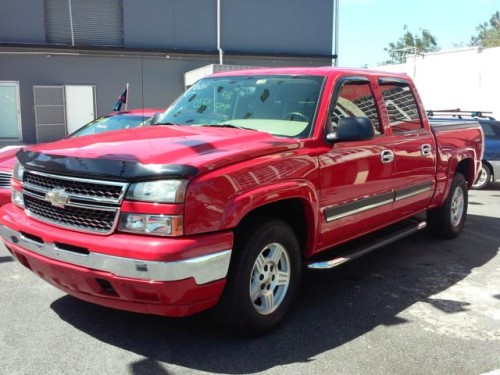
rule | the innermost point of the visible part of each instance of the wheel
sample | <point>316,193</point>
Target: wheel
<point>448,220</point>
<point>483,179</point>
<point>295,116</point>
<point>263,278</point>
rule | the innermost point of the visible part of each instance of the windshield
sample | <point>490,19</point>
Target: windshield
<point>279,105</point>
<point>111,122</point>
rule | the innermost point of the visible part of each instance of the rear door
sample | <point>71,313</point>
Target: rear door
<point>413,146</point>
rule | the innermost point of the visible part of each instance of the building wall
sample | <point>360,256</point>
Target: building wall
<point>170,24</point>
<point>464,78</point>
<point>257,26</point>
<point>22,21</point>
<point>286,26</point>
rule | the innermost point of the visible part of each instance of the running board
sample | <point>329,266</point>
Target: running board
<point>347,253</point>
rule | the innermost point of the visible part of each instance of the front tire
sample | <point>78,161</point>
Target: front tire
<point>448,220</point>
<point>263,278</point>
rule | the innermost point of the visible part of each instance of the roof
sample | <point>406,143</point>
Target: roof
<point>311,71</point>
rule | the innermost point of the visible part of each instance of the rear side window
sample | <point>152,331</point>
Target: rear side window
<point>355,99</point>
<point>491,130</point>
<point>401,107</point>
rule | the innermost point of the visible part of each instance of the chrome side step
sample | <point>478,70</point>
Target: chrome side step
<point>382,238</point>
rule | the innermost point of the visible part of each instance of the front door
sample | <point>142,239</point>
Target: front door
<point>356,179</point>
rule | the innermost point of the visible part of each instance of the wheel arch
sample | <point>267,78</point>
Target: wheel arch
<point>291,211</point>
<point>299,209</point>
<point>466,168</point>
<point>448,220</point>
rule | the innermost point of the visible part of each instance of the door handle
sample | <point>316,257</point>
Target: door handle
<point>387,156</point>
<point>426,149</point>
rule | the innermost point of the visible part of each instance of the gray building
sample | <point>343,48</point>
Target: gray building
<point>63,62</point>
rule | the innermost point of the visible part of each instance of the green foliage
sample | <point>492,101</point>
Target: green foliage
<point>488,33</point>
<point>410,44</point>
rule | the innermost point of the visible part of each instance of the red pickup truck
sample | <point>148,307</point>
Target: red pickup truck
<point>246,179</point>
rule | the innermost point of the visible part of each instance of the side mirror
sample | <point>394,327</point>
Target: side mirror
<point>352,129</point>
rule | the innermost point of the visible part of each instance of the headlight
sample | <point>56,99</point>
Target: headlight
<point>162,191</point>
<point>17,198</point>
<point>159,225</point>
<point>18,171</point>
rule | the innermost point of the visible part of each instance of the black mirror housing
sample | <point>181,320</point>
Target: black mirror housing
<point>352,129</point>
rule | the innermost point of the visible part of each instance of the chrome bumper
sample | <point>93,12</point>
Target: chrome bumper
<point>203,269</point>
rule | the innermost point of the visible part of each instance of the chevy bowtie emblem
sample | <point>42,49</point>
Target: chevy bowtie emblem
<point>57,197</point>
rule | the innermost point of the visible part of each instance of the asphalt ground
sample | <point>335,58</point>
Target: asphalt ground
<point>418,306</point>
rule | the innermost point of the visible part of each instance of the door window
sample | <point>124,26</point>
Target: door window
<point>401,107</point>
<point>355,99</point>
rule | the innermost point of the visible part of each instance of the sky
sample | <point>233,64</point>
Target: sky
<point>366,27</point>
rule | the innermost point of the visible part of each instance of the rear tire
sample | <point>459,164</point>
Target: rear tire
<point>448,220</point>
<point>263,278</point>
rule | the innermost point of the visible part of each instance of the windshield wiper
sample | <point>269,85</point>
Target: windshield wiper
<point>230,126</point>
<point>164,123</point>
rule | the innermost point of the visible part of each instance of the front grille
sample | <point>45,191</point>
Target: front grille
<point>74,186</point>
<point>87,205</point>
<point>5,179</point>
<point>71,217</point>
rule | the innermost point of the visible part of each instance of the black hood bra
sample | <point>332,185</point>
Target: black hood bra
<point>108,169</point>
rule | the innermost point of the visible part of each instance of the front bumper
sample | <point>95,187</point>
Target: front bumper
<point>202,269</point>
<point>158,279</point>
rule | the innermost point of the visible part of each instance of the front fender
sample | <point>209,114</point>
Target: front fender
<point>242,205</point>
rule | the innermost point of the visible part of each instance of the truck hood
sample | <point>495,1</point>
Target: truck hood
<point>153,152</point>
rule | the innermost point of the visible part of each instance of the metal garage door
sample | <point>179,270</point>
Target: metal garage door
<point>84,22</point>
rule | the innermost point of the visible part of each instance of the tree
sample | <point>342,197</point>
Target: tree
<point>410,44</point>
<point>488,33</point>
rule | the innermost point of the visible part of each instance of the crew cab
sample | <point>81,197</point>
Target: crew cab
<point>245,180</point>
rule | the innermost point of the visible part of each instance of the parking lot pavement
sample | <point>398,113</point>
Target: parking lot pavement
<point>419,306</point>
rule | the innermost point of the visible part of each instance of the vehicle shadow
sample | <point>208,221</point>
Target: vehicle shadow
<point>494,186</point>
<point>6,259</point>
<point>333,308</point>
